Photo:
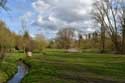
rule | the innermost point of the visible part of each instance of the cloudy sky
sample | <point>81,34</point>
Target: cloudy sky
<point>48,16</point>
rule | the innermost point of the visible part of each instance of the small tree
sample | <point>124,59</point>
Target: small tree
<point>65,38</point>
<point>40,42</point>
<point>27,44</point>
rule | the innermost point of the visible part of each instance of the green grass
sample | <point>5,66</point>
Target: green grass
<point>57,66</point>
<point>60,67</point>
<point>8,66</point>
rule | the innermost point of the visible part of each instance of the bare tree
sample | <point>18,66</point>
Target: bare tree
<point>65,37</point>
<point>27,40</point>
<point>3,5</point>
<point>110,19</point>
<point>123,33</point>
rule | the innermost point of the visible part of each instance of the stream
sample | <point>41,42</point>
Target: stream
<point>21,72</point>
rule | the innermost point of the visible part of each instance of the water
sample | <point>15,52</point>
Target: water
<point>22,71</point>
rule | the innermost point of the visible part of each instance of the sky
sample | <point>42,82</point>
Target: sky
<point>47,17</point>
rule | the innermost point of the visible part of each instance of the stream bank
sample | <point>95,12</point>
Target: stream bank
<point>22,70</point>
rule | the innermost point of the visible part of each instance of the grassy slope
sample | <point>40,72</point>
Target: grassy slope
<point>8,66</point>
<point>60,67</point>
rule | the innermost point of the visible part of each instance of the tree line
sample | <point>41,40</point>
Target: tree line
<point>109,15</point>
<point>11,42</point>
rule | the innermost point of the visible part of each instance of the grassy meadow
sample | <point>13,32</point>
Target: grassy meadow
<point>55,66</point>
<point>72,41</point>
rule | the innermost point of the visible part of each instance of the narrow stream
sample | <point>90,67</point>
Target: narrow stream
<point>22,71</point>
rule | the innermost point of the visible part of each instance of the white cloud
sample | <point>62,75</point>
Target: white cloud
<point>26,16</point>
<point>40,6</point>
<point>55,14</point>
<point>90,30</point>
<point>39,19</point>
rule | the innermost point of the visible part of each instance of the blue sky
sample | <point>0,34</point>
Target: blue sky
<point>48,16</point>
<point>12,17</point>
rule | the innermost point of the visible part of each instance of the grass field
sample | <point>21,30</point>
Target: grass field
<point>60,67</point>
<point>8,66</point>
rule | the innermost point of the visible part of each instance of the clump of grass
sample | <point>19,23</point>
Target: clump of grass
<point>8,66</point>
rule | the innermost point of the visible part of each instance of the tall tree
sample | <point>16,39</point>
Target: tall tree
<point>103,38</point>
<point>27,40</point>
<point>6,39</point>
<point>110,17</point>
<point>123,33</point>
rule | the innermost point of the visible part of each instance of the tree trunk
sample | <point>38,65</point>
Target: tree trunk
<point>102,38</point>
<point>117,44</point>
<point>2,53</point>
<point>123,37</point>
